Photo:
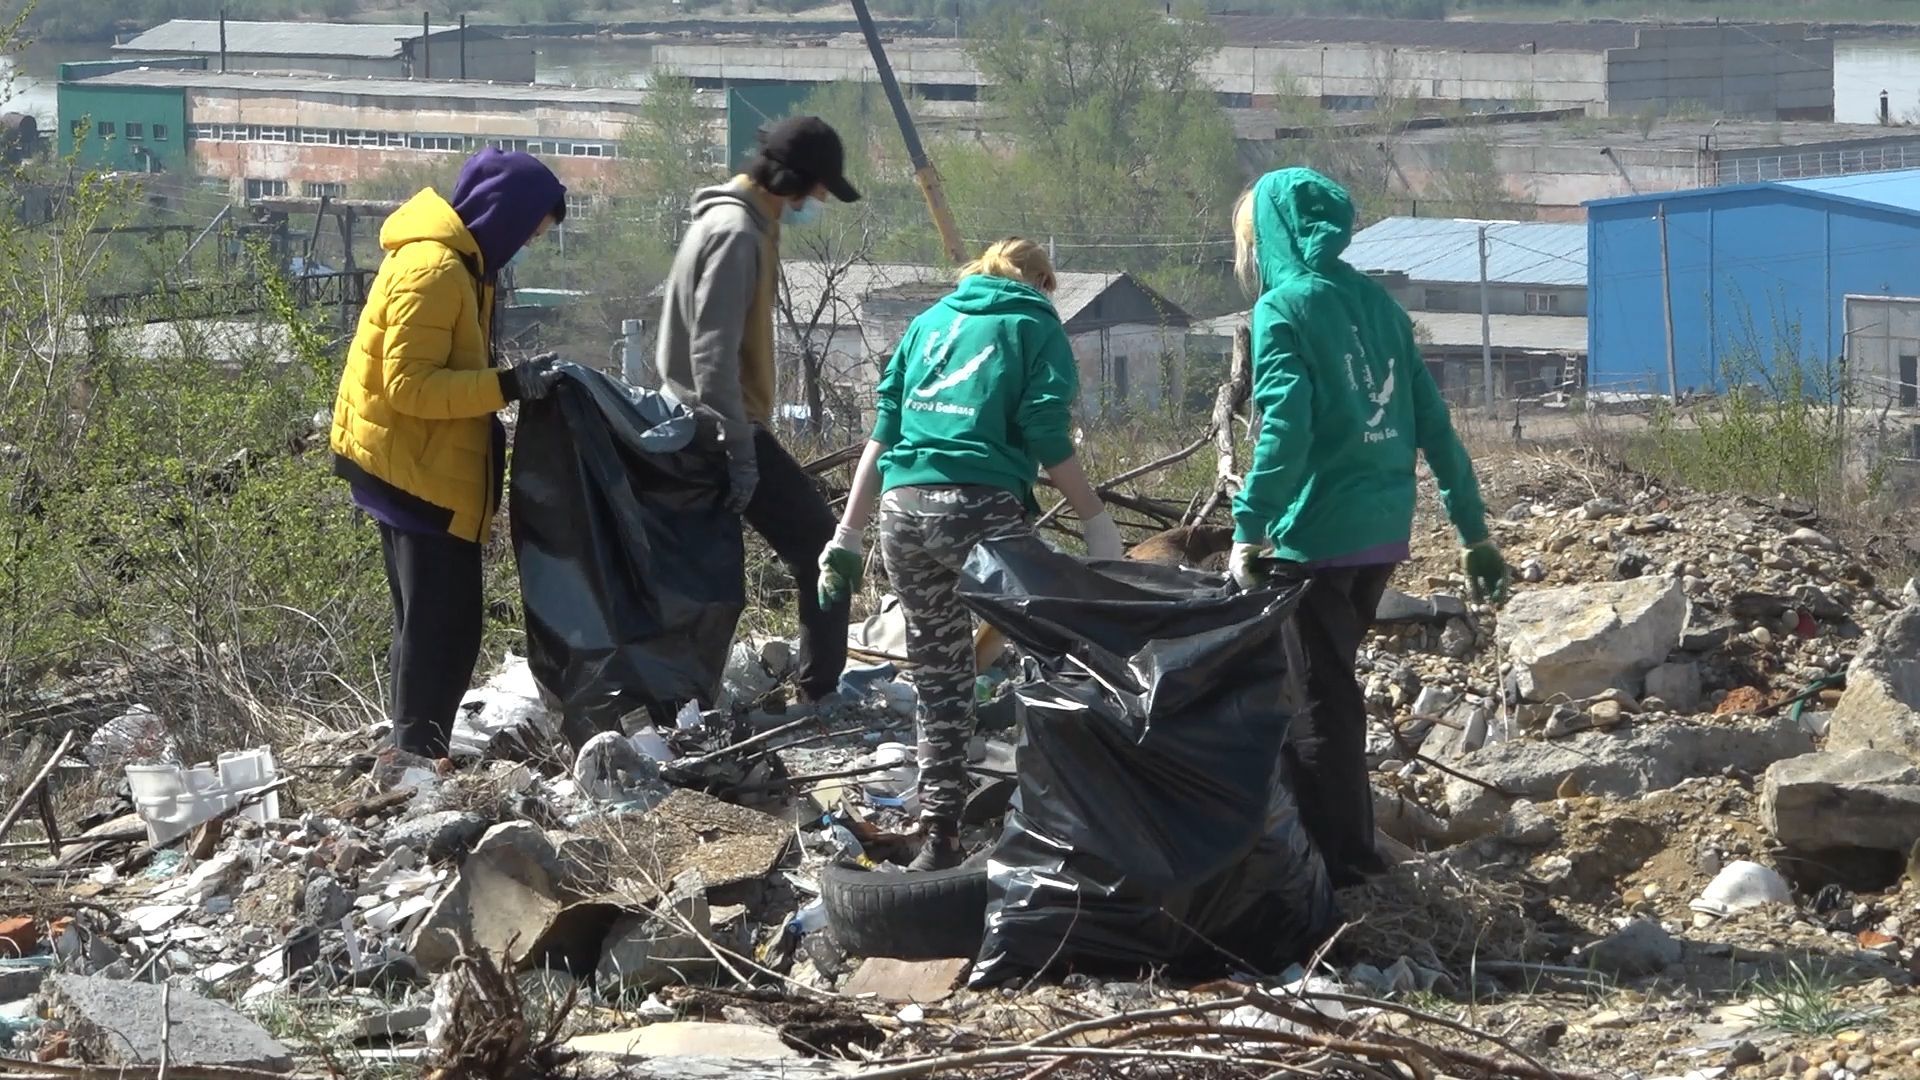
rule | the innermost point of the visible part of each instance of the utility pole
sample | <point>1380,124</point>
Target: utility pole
<point>463,46</point>
<point>1666,306</point>
<point>223,41</point>
<point>923,171</point>
<point>426,44</point>
<point>1486,328</point>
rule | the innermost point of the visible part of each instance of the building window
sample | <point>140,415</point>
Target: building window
<point>1543,303</point>
<point>265,189</point>
<point>136,132</point>
<point>106,129</point>
<point>272,134</point>
<point>75,127</point>
<point>579,206</point>
<point>324,189</point>
<point>159,133</point>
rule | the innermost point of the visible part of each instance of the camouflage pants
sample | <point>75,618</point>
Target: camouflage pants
<point>926,534</point>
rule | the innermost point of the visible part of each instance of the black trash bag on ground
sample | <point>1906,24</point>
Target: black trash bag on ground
<point>1153,825</point>
<point>631,570</point>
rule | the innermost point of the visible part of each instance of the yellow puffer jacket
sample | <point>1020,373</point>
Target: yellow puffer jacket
<point>414,413</point>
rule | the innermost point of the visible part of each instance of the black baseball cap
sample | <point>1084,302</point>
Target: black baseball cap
<point>809,146</point>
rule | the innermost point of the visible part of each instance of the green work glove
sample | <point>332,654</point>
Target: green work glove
<point>841,565</point>
<point>1486,572</point>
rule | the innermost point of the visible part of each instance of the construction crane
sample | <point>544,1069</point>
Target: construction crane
<point>924,173</point>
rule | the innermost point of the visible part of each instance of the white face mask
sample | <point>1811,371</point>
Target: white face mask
<point>807,213</point>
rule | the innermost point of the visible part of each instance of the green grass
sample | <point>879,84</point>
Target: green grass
<point>1691,10</point>
<point>1803,1001</point>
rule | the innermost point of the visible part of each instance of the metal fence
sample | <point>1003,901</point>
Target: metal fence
<point>229,299</point>
<point>1811,164</point>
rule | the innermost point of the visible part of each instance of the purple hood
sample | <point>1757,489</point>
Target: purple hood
<point>501,197</point>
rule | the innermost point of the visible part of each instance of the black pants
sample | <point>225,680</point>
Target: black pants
<point>794,519</point>
<point>437,611</point>
<point>1326,753</point>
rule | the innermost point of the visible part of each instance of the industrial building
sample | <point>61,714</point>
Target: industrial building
<point>1734,285</point>
<point>1434,264</point>
<point>348,50</point>
<point>1551,170</point>
<point>267,136</point>
<point>1764,71</point>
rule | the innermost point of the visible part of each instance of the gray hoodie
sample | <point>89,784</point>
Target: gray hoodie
<point>715,351</point>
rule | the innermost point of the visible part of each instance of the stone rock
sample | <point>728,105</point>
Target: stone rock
<point>1528,826</point>
<point>445,834</point>
<point>1628,761</point>
<point>1842,799</point>
<point>646,952</point>
<point>1577,641</point>
<point>1678,686</point>
<point>326,902</point>
<point>1881,707</point>
<point>118,1023</point>
<point>1640,948</point>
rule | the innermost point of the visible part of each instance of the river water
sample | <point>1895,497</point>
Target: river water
<point>1861,69</point>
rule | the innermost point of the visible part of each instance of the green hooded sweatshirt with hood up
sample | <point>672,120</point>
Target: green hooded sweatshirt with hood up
<point>1344,397</point>
<point>980,391</point>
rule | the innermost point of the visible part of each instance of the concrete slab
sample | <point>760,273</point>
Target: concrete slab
<point>899,982</point>
<point>119,1023</point>
<point>742,1042</point>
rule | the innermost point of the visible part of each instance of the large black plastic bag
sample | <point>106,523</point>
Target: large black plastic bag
<point>1153,824</point>
<point>631,570</point>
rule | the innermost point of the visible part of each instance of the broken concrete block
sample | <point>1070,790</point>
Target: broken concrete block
<point>1881,707</point>
<point>899,982</point>
<point>385,1025</point>
<point>1851,798</point>
<point>119,1023</point>
<point>1630,760</point>
<point>645,952</point>
<point>326,902</point>
<point>445,834</point>
<point>1677,686</point>
<point>507,895</point>
<point>1575,642</point>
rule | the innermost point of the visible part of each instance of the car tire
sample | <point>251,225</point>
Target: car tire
<point>917,915</point>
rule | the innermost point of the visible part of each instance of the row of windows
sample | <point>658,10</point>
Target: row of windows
<point>134,131</point>
<point>400,140</point>
<point>578,205</point>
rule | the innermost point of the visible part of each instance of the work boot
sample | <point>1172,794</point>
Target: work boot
<point>940,848</point>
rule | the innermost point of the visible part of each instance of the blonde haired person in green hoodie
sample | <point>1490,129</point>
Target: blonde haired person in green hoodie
<point>1346,405</point>
<point>975,401</point>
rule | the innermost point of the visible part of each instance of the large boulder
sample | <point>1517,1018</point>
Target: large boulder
<point>1575,642</point>
<point>1881,707</point>
<point>1846,799</point>
<point>134,1025</point>
<point>1624,762</point>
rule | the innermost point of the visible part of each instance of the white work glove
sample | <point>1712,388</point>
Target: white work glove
<point>842,562</point>
<point>1103,537</point>
<point>1249,565</point>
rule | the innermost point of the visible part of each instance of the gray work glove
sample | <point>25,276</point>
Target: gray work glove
<point>743,476</point>
<point>532,380</point>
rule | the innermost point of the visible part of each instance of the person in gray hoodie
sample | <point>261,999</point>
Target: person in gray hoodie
<point>716,357</point>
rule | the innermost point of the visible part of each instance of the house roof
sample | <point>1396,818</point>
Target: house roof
<point>806,283</point>
<point>378,41</point>
<point>1447,250</point>
<point>268,83</point>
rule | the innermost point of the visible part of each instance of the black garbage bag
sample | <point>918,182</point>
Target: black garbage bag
<point>1153,824</point>
<point>631,570</point>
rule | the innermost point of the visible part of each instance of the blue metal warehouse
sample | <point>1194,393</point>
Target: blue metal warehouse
<point>1816,269</point>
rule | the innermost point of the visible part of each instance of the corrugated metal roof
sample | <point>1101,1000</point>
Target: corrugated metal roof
<point>1428,33</point>
<point>518,95</point>
<point>807,281</point>
<point>1542,333</point>
<point>1447,250</point>
<point>378,41</point>
<point>1897,189</point>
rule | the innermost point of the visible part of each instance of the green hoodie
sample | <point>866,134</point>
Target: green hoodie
<point>1344,396</point>
<point>980,391</point>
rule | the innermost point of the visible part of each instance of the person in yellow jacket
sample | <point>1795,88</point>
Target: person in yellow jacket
<point>414,431</point>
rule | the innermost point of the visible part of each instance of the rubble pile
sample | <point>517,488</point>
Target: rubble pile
<point>1659,813</point>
